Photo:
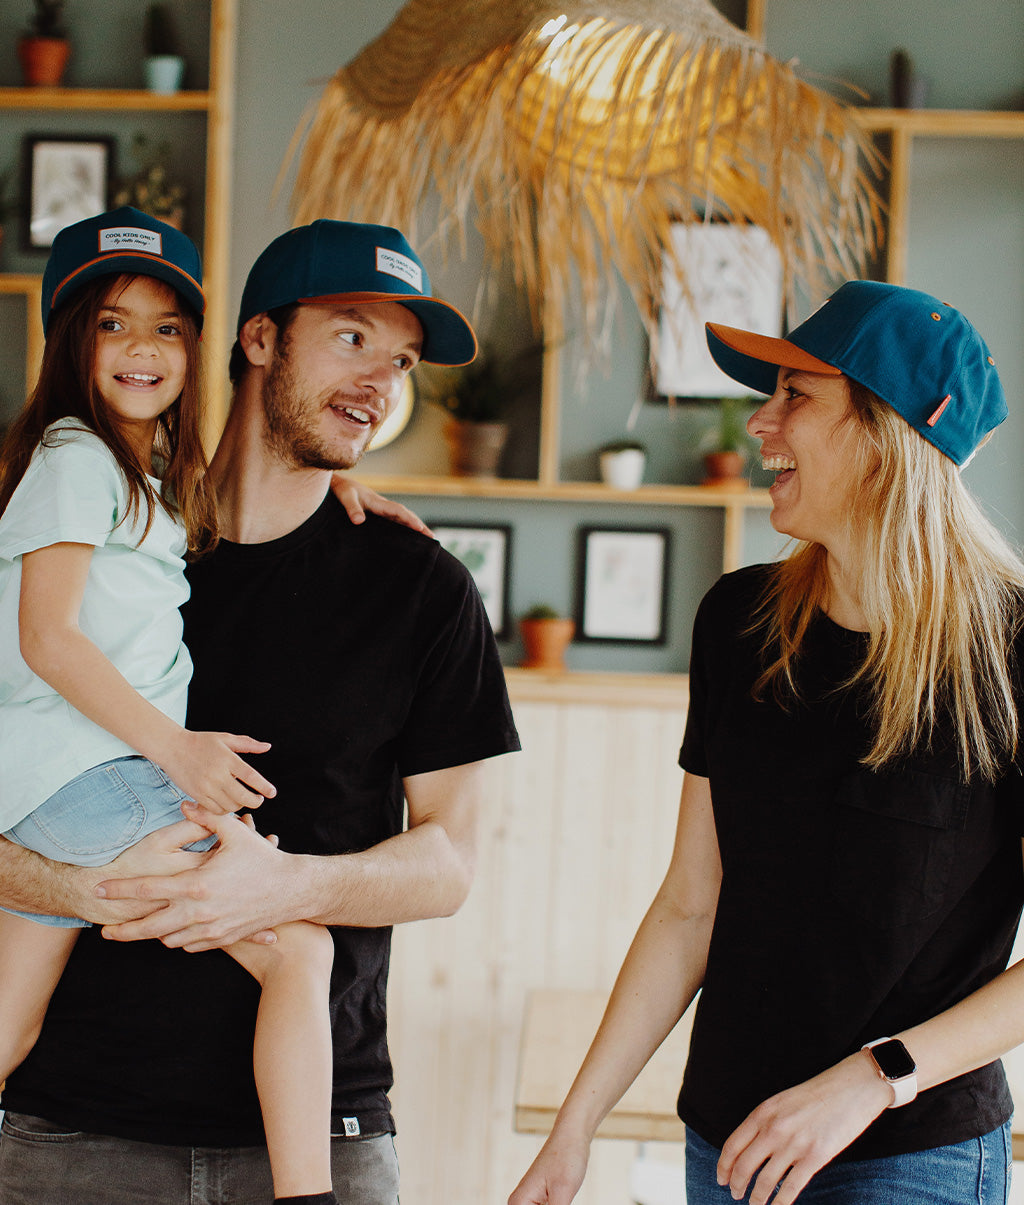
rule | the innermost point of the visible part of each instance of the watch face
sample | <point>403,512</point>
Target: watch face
<point>893,1059</point>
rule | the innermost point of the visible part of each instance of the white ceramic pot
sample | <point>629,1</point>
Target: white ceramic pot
<point>623,470</point>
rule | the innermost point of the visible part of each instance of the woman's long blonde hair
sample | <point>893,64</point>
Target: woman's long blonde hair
<point>942,592</point>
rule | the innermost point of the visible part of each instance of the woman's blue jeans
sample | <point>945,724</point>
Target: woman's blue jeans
<point>976,1172</point>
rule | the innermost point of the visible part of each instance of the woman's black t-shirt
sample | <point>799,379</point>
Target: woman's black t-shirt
<point>853,904</point>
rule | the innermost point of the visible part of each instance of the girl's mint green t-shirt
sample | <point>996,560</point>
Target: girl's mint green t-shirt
<point>73,491</point>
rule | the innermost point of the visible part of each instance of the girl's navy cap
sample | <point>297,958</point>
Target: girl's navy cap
<point>913,351</point>
<point>354,263</point>
<point>124,240</point>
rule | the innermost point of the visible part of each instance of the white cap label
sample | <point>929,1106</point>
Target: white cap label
<point>131,238</point>
<point>394,263</point>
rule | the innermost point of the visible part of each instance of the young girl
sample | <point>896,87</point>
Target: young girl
<point>103,489</point>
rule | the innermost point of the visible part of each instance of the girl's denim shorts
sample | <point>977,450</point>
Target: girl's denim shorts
<point>97,816</point>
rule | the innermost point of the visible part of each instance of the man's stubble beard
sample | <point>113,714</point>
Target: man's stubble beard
<point>290,421</point>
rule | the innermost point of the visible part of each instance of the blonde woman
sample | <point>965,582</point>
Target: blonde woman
<point>846,879</point>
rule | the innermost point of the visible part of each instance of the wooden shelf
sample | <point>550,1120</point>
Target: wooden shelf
<point>945,123</point>
<point>734,503</point>
<point>111,99</point>
<point>569,491</point>
<point>903,126</point>
<point>665,692</point>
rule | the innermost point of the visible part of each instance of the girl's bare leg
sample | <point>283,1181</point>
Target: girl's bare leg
<point>32,958</point>
<point>292,1055</point>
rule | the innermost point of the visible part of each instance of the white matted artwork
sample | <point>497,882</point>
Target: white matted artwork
<point>484,550</point>
<point>734,276</point>
<point>623,584</point>
<point>68,180</point>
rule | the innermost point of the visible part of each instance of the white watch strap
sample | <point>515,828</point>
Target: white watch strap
<point>905,1088</point>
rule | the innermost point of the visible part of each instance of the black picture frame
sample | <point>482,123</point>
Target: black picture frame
<point>734,276</point>
<point>622,585</point>
<point>486,551</point>
<point>67,177</point>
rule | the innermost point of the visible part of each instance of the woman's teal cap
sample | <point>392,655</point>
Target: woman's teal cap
<point>354,263</point>
<point>124,240</point>
<point>913,351</point>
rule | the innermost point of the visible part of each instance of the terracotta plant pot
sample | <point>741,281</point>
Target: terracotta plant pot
<point>475,449</point>
<point>545,641</point>
<point>43,60</point>
<point>724,468</point>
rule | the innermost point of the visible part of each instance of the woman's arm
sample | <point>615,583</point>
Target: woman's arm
<point>795,1133</point>
<point>205,765</point>
<point>660,976</point>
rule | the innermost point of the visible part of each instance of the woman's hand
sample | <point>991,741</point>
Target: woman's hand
<point>555,1176</point>
<point>206,766</point>
<point>358,499</point>
<point>791,1136</point>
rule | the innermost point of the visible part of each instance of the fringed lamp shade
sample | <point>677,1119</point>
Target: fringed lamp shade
<point>574,133</point>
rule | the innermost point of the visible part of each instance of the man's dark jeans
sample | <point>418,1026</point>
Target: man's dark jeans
<point>43,1164</point>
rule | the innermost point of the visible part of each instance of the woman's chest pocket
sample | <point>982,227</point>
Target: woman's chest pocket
<point>894,843</point>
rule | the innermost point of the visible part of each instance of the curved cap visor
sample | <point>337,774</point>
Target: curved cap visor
<point>754,360</point>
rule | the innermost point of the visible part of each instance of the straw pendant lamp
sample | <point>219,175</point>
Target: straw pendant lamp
<point>573,133</point>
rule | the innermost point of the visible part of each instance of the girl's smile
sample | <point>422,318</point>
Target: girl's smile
<point>140,359</point>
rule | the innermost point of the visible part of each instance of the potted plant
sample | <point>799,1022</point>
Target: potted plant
<point>164,66</point>
<point>44,48</point>
<point>546,635</point>
<point>622,463</point>
<point>476,400</point>
<point>149,188</point>
<point>725,461</point>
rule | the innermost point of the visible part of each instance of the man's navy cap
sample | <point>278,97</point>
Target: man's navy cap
<point>913,351</point>
<point>122,240</point>
<point>354,263</point>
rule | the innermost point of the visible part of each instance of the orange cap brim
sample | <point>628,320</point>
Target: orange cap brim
<point>780,352</point>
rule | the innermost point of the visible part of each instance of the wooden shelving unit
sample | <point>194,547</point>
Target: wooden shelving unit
<point>217,102</point>
<point>901,127</point>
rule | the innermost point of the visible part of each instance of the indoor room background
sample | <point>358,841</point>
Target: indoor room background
<point>577,828</point>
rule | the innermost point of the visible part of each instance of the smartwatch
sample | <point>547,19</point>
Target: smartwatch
<point>896,1066</point>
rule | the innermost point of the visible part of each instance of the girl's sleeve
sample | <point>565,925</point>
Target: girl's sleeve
<point>71,492</point>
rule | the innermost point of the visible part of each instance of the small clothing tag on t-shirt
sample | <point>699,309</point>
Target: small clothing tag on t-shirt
<point>351,1126</point>
<point>131,238</point>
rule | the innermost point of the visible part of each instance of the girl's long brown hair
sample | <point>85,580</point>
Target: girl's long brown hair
<point>66,389</point>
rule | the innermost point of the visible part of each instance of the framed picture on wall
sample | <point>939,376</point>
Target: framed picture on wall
<point>734,276</point>
<point>67,178</point>
<point>622,593</point>
<point>485,550</point>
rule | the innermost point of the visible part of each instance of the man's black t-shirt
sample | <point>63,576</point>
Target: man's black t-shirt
<point>853,904</point>
<point>363,654</point>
